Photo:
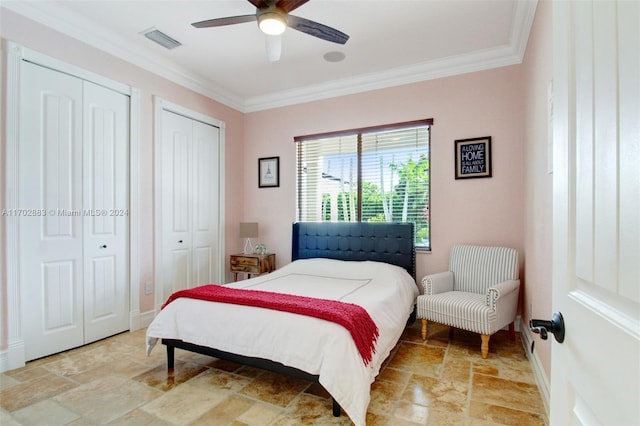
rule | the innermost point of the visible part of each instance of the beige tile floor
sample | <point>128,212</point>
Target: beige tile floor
<point>442,381</point>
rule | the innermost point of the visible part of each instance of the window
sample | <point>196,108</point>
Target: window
<point>376,174</point>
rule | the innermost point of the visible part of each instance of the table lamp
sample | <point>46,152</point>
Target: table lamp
<point>248,230</point>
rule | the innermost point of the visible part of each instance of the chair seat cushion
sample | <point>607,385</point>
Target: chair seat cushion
<point>459,309</point>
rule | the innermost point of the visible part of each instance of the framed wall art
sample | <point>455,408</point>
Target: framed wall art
<point>473,158</point>
<point>268,172</point>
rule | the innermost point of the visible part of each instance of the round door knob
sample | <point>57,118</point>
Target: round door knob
<point>103,246</point>
<point>180,241</point>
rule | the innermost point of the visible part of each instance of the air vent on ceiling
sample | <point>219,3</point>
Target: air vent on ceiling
<point>162,39</point>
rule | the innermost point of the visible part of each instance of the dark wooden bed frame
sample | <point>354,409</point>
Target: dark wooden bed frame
<point>384,242</point>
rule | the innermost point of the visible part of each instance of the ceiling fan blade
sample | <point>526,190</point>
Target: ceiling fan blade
<point>218,22</point>
<point>260,4</point>
<point>289,5</point>
<point>316,29</point>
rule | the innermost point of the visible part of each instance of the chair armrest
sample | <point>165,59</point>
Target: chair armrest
<point>437,283</point>
<point>503,290</point>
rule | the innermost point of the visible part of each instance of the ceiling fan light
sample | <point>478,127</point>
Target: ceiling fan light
<point>272,23</point>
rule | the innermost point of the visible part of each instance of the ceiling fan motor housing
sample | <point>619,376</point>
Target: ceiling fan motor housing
<point>271,21</point>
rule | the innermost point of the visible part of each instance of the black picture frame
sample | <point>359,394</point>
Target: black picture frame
<point>269,172</point>
<point>473,158</point>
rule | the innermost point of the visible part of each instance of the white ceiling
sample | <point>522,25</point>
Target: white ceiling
<point>391,42</point>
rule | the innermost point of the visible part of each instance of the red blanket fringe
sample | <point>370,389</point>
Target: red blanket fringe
<point>352,317</point>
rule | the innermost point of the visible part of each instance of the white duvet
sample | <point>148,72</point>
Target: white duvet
<point>316,346</point>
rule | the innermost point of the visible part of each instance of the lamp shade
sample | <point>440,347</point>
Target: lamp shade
<point>248,229</point>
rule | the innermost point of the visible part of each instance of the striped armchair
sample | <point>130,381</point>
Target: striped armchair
<point>479,292</point>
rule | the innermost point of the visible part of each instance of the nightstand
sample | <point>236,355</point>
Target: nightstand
<point>252,264</point>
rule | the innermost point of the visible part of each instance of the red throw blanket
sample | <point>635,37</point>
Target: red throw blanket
<point>352,317</point>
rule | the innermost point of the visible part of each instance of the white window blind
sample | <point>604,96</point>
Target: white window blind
<point>378,174</point>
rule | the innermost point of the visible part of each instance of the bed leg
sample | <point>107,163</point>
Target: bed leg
<point>170,357</point>
<point>336,407</point>
<point>413,316</point>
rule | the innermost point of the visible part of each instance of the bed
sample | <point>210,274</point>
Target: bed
<point>371,265</point>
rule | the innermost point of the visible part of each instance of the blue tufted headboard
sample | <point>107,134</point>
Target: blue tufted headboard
<point>383,242</point>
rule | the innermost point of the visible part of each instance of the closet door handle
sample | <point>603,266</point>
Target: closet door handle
<point>103,246</point>
<point>180,241</point>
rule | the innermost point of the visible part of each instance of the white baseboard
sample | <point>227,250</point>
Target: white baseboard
<point>140,320</point>
<point>4,361</point>
<point>146,318</point>
<point>13,357</point>
<point>536,366</point>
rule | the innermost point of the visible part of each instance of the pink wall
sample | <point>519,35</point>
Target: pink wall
<point>42,39</point>
<point>482,211</point>
<point>538,72</point>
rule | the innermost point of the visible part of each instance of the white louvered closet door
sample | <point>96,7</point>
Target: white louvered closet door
<point>73,162</point>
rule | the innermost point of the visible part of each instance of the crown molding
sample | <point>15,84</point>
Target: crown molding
<point>523,16</point>
<point>76,26</point>
<point>431,70</point>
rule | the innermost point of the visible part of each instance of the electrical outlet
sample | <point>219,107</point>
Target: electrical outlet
<point>148,288</point>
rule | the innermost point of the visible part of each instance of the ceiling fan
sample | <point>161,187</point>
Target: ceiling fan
<point>273,18</point>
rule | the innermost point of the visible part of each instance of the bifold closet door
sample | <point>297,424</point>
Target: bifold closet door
<point>190,188</point>
<point>50,185</point>
<point>73,165</point>
<point>106,214</point>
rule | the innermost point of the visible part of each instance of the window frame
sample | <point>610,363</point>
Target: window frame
<point>359,132</point>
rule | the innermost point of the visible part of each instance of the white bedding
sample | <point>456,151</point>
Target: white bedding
<point>316,346</point>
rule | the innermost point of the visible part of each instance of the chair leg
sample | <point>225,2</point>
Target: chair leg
<point>424,329</point>
<point>485,345</point>
<point>512,331</point>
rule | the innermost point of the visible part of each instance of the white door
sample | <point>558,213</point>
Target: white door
<point>177,153</point>
<point>50,186</point>
<point>595,375</point>
<point>73,243</point>
<point>105,212</point>
<point>190,191</point>
<point>206,183</point>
